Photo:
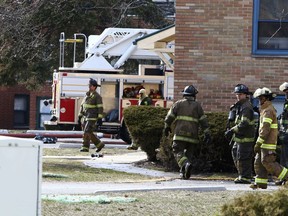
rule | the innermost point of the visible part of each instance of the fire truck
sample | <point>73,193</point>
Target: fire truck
<point>102,58</point>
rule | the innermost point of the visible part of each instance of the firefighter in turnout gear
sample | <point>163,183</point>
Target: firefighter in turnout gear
<point>265,147</point>
<point>187,115</point>
<point>283,127</point>
<point>143,100</point>
<point>91,112</point>
<point>243,134</point>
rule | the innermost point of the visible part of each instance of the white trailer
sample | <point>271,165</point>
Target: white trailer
<point>21,174</point>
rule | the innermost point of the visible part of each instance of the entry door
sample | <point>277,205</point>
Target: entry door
<point>43,112</point>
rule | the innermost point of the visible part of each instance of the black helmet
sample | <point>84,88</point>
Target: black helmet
<point>93,82</point>
<point>241,88</point>
<point>190,90</point>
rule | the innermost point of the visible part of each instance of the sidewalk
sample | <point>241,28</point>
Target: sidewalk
<point>124,162</point>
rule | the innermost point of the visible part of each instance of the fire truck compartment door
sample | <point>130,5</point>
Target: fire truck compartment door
<point>67,110</point>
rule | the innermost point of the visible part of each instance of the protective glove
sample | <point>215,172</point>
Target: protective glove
<point>207,138</point>
<point>167,130</point>
<point>228,134</point>
<point>99,122</point>
<point>257,147</point>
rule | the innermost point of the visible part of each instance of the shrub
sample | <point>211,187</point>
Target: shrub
<point>260,203</point>
<point>145,125</point>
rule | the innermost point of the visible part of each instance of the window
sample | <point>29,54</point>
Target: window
<point>270,27</point>
<point>21,111</point>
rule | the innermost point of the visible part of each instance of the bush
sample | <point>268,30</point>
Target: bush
<point>260,203</point>
<point>145,125</point>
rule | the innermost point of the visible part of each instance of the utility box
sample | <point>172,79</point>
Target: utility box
<point>20,176</point>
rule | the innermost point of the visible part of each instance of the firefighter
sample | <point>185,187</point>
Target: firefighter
<point>283,127</point>
<point>265,147</point>
<point>243,134</point>
<point>187,115</point>
<point>91,112</point>
<point>143,100</point>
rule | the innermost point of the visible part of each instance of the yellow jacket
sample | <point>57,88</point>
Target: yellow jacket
<point>268,129</point>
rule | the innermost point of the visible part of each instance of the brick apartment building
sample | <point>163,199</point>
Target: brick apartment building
<point>24,109</point>
<point>220,43</point>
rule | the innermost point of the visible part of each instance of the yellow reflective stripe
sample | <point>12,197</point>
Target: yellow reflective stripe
<point>268,120</point>
<point>202,117</point>
<point>283,174</point>
<point>99,105</point>
<point>250,122</point>
<point>284,121</point>
<point>100,116</point>
<point>185,139</point>
<point>187,118</point>
<point>274,126</point>
<point>89,106</point>
<point>261,180</point>
<point>182,160</point>
<point>243,140</point>
<point>269,146</point>
<point>206,130</point>
<point>260,140</point>
<point>91,119</point>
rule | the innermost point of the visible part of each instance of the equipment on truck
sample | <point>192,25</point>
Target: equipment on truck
<point>103,56</point>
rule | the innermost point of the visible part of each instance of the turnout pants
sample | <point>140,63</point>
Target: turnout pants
<point>242,154</point>
<point>184,152</point>
<point>264,164</point>
<point>88,135</point>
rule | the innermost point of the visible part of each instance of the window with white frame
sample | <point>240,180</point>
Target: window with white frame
<point>270,27</point>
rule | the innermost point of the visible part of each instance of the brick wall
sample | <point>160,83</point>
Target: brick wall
<point>7,104</point>
<point>213,52</point>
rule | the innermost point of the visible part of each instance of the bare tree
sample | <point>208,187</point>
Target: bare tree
<point>30,29</point>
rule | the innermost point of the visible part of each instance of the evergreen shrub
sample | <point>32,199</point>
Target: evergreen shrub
<point>259,203</point>
<point>145,125</point>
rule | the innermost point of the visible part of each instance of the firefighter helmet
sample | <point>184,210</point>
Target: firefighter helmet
<point>93,82</point>
<point>264,92</point>
<point>241,88</point>
<point>284,86</point>
<point>190,90</point>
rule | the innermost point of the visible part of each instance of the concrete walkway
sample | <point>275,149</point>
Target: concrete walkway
<point>124,162</point>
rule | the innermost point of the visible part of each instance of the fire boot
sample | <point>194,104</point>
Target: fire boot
<point>241,180</point>
<point>100,146</point>
<point>258,186</point>
<point>182,172</point>
<point>188,168</point>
